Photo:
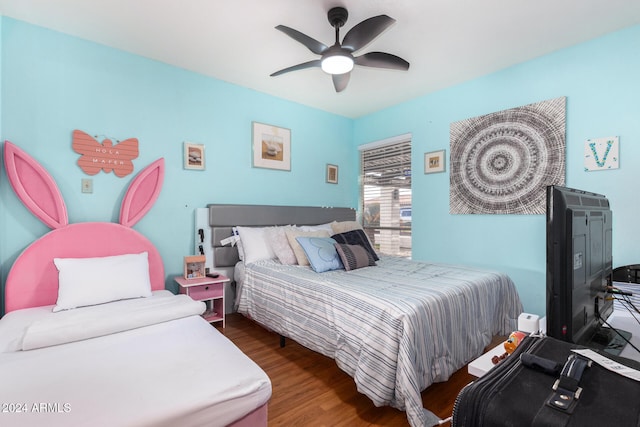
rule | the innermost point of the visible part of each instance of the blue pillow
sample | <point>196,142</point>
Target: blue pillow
<point>321,253</point>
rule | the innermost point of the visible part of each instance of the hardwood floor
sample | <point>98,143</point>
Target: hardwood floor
<point>310,390</point>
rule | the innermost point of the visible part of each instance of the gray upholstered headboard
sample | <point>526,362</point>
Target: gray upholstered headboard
<point>222,218</point>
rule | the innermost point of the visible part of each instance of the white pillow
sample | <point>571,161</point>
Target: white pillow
<point>280,244</point>
<point>255,244</point>
<point>90,281</point>
<point>301,257</point>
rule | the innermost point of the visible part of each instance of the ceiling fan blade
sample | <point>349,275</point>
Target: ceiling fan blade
<point>310,64</point>
<point>382,60</point>
<point>312,44</point>
<point>340,81</point>
<point>366,31</point>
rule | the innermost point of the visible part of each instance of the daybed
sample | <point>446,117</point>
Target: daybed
<point>91,338</point>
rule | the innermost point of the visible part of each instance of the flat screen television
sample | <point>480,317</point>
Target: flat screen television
<point>579,266</point>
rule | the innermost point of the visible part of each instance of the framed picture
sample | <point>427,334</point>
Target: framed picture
<point>193,156</point>
<point>271,147</point>
<point>602,154</point>
<point>194,267</point>
<point>434,161</point>
<point>332,174</point>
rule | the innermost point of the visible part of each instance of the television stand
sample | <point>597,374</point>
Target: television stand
<point>609,341</point>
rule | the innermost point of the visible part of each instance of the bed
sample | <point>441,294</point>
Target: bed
<point>396,327</point>
<point>90,336</point>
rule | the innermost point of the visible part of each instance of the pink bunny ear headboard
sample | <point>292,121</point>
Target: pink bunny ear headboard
<point>35,187</point>
<point>33,278</point>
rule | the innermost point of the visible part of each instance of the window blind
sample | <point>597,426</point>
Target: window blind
<point>385,185</point>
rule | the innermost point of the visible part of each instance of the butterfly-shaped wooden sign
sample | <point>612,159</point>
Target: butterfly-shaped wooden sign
<point>104,155</point>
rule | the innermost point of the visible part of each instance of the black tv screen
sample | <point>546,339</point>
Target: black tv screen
<point>579,263</point>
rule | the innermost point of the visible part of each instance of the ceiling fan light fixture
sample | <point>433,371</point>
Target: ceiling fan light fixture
<point>337,63</point>
<point>338,60</point>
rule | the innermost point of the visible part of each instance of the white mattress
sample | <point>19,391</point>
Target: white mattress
<point>179,372</point>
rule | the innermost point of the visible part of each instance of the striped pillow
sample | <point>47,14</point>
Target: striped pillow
<point>356,237</point>
<point>354,256</point>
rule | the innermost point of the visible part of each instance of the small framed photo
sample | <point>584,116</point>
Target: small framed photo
<point>194,267</point>
<point>332,174</point>
<point>193,156</point>
<point>434,161</point>
<point>271,147</point>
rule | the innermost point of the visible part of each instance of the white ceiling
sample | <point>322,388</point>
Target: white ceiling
<point>446,41</point>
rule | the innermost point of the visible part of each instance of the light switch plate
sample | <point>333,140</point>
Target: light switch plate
<point>87,185</point>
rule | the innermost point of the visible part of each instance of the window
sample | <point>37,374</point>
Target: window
<point>385,186</point>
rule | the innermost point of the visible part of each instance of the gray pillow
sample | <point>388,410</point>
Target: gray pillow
<point>354,256</point>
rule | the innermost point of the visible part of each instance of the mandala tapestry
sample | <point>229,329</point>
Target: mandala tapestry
<point>501,163</point>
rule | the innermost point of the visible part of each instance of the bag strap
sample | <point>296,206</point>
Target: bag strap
<point>565,393</point>
<point>566,390</point>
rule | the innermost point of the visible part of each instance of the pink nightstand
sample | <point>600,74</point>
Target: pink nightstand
<point>208,290</point>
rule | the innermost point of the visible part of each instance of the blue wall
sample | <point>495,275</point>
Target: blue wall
<point>53,83</point>
<point>600,80</point>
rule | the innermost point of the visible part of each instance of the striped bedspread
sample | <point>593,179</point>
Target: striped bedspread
<point>396,328</point>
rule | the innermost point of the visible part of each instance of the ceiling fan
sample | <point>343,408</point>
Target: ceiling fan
<point>338,60</point>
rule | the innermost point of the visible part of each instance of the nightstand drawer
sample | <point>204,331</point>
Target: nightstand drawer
<point>201,292</point>
<point>207,289</point>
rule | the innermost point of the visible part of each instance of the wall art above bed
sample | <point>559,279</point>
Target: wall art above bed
<point>106,156</point>
<point>271,147</point>
<point>332,174</point>
<point>501,163</point>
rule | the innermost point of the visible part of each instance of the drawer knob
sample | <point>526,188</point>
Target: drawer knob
<point>206,288</point>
